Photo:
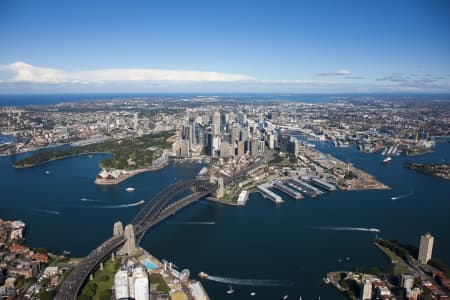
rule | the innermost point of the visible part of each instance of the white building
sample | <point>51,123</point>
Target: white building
<point>366,290</point>
<point>141,284</point>
<point>121,284</point>
<point>425,248</point>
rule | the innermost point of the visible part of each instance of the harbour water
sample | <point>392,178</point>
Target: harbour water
<point>277,249</point>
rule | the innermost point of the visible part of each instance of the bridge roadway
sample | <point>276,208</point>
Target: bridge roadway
<point>155,211</point>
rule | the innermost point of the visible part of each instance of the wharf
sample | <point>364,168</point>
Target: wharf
<point>291,192</point>
<point>323,184</point>
<point>310,190</point>
<point>264,189</point>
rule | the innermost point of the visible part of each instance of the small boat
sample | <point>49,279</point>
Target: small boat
<point>203,275</point>
<point>129,189</point>
<point>141,202</point>
<point>387,160</point>
<point>252,294</point>
<point>230,290</point>
<point>83,199</point>
<point>347,258</point>
<point>374,230</point>
<point>285,296</point>
<point>47,172</point>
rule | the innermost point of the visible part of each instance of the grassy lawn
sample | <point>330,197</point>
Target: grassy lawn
<point>399,264</point>
<point>103,281</point>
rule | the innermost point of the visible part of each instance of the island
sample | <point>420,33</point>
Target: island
<point>435,169</point>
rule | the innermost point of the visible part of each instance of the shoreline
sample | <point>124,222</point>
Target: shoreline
<point>123,177</point>
<point>57,158</point>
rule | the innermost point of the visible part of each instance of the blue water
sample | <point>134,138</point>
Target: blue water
<point>260,241</point>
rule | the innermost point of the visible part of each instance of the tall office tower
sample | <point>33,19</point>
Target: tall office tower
<point>130,245</point>
<point>209,144</point>
<point>242,118</point>
<point>262,146</point>
<point>235,133</point>
<point>184,148</point>
<point>176,147</point>
<point>118,229</point>
<point>141,284</point>
<point>425,248</point>
<point>254,144</point>
<point>188,134</point>
<point>366,290</point>
<point>226,149</point>
<point>135,121</point>
<point>240,148</point>
<point>244,134</point>
<point>271,141</point>
<point>216,121</point>
<point>200,134</point>
<point>121,284</point>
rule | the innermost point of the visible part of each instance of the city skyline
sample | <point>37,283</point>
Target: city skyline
<point>292,47</point>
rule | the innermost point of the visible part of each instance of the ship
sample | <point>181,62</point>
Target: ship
<point>374,230</point>
<point>129,189</point>
<point>387,160</point>
<point>230,290</point>
<point>141,202</point>
<point>203,275</point>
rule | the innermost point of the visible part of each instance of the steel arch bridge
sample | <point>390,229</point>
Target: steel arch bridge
<point>164,204</point>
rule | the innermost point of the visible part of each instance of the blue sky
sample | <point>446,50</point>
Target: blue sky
<point>224,46</point>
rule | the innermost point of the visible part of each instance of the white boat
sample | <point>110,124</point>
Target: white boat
<point>129,189</point>
<point>83,199</point>
<point>252,294</point>
<point>47,172</point>
<point>230,290</point>
<point>285,296</point>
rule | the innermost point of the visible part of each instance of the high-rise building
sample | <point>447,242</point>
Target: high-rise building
<point>184,148</point>
<point>235,133</point>
<point>121,285</point>
<point>240,148</point>
<point>366,290</point>
<point>254,144</point>
<point>216,121</point>
<point>425,248</point>
<point>141,284</point>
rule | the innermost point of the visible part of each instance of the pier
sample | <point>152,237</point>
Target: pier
<point>310,190</point>
<point>264,189</point>
<point>323,184</point>
<point>291,192</point>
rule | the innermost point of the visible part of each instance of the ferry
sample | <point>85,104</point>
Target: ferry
<point>203,275</point>
<point>129,189</point>
<point>387,160</point>
<point>230,290</point>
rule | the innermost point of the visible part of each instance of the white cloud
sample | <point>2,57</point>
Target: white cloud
<point>341,72</point>
<point>23,72</point>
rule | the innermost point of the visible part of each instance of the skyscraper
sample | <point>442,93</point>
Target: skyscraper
<point>425,248</point>
<point>366,290</point>
<point>216,121</point>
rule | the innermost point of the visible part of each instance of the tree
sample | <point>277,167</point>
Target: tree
<point>47,295</point>
<point>104,295</point>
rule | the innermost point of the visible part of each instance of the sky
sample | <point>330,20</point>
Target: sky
<point>343,46</point>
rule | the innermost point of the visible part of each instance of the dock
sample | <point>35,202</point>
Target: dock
<point>291,192</point>
<point>264,189</point>
<point>310,190</point>
<point>323,184</point>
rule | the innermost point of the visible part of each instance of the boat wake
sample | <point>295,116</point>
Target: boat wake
<point>46,211</point>
<point>196,223</point>
<point>249,282</point>
<point>402,196</point>
<point>121,205</point>
<point>91,200</point>
<point>349,229</point>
